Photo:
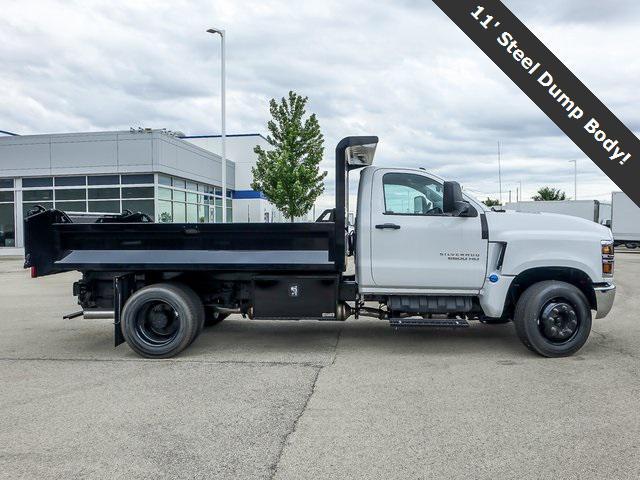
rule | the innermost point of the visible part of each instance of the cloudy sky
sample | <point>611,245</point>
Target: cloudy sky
<point>398,69</point>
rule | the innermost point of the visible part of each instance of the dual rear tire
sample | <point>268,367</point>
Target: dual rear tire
<point>161,320</point>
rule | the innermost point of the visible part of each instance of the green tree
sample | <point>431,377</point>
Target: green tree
<point>492,202</point>
<point>289,174</point>
<point>548,193</point>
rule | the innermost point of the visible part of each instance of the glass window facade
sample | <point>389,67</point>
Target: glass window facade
<point>164,180</point>
<point>105,206</point>
<point>137,179</point>
<point>143,206</point>
<point>167,199</point>
<point>7,213</point>
<point>104,193</point>
<point>70,181</point>
<point>137,192</point>
<point>71,194</point>
<point>104,180</point>
<point>181,200</point>
<point>37,182</point>
<point>6,182</point>
<point>37,195</point>
<point>90,194</point>
<point>71,207</point>
<point>6,197</point>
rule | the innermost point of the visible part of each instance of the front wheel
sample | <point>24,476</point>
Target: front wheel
<point>553,318</point>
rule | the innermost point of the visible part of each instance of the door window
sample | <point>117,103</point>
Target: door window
<point>410,194</point>
<point>7,225</point>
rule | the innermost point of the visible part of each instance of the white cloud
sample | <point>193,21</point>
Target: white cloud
<point>398,69</point>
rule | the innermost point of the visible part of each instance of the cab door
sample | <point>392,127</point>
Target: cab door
<point>414,245</point>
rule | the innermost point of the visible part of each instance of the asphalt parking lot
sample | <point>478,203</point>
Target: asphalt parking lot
<point>296,400</point>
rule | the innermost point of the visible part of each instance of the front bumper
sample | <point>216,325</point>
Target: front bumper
<point>605,294</point>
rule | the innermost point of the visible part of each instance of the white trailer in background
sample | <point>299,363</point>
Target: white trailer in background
<point>625,220</point>
<point>605,214</point>
<point>587,209</point>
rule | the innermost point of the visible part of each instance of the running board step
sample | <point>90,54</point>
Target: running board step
<point>428,322</point>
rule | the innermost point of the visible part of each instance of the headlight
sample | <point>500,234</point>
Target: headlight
<point>608,258</point>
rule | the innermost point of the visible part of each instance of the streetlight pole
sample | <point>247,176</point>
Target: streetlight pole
<point>520,194</point>
<point>499,173</point>
<point>575,179</point>
<point>219,31</point>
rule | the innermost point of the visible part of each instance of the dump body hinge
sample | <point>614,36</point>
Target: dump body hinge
<point>126,217</point>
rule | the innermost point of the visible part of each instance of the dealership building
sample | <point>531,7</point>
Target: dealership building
<point>168,176</point>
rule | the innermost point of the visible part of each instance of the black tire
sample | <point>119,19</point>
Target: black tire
<point>161,320</point>
<point>214,317</point>
<point>553,318</point>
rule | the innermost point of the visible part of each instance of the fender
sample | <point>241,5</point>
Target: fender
<point>496,296</point>
<point>548,240</point>
<point>512,269</point>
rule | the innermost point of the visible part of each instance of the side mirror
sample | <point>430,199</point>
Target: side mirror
<point>451,197</point>
<point>454,204</point>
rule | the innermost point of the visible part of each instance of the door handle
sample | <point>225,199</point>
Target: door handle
<point>389,226</point>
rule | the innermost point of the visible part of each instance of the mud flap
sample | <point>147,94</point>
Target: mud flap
<point>123,286</point>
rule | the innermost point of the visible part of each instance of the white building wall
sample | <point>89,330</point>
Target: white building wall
<point>109,152</point>
<point>251,210</point>
<point>239,149</point>
<point>248,206</point>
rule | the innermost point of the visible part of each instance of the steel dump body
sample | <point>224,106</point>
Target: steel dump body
<point>131,242</point>
<point>55,244</point>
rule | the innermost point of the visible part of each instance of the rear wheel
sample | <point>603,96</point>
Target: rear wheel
<point>161,320</point>
<point>553,318</point>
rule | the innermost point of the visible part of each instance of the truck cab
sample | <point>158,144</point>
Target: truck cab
<point>407,243</point>
<point>424,248</point>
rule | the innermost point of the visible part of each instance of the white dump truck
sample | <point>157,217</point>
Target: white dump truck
<point>426,255</point>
